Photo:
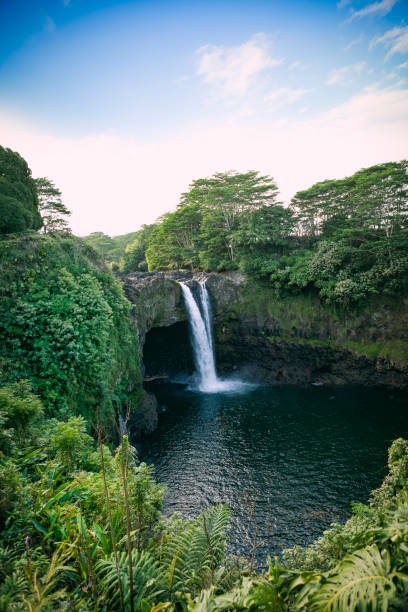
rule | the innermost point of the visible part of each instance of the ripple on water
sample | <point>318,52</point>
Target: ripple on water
<point>299,456</point>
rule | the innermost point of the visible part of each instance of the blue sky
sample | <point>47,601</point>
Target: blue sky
<point>122,104</point>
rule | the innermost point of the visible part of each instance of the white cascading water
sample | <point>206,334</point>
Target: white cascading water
<point>202,342</point>
<point>206,307</point>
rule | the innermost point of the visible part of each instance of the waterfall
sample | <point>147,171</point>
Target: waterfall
<point>199,316</point>
<point>201,338</point>
<point>206,307</point>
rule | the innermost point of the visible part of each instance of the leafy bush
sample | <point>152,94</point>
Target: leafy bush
<point>65,325</point>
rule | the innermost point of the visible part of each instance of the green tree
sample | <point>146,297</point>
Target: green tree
<point>54,213</point>
<point>135,252</point>
<point>223,200</point>
<point>18,195</point>
<point>175,242</point>
<point>20,409</point>
<point>70,443</point>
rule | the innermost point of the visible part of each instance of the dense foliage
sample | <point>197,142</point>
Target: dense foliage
<point>64,540</point>
<point>18,195</point>
<point>81,526</point>
<point>220,221</point>
<point>82,529</point>
<point>343,240</point>
<point>65,325</point>
<point>135,252</point>
<point>113,248</point>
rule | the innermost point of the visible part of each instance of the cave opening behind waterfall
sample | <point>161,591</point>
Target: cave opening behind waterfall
<point>167,351</point>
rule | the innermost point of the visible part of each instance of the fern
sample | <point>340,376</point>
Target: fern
<point>147,579</point>
<point>362,581</point>
<point>194,554</point>
<point>44,590</point>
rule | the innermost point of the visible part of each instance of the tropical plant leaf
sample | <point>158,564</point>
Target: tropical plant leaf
<point>362,581</point>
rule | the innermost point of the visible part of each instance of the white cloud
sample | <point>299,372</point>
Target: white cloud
<point>114,184</point>
<point>294,65</point>
<point>402,66</point>
<point>284,95</point>
<point>396,40</point>
<point>376,8</point>
<point>354,42</point>
<point>342,76</point>
<point>343,3</point>
<point>233,70</point>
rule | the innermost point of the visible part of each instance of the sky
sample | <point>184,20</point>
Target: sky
<point>123,104</point>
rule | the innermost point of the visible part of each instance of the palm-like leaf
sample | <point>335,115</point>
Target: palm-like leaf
<point>362,581</point>
<point>147,578</point>
<point>193,555</point>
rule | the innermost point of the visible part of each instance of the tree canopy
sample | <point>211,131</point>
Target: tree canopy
<point>53,211</point>
<point>343,239</point>
<point>218,221</point>
<point>18,195</point>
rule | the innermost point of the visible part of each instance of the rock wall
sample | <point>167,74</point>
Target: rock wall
<point>292,341</point>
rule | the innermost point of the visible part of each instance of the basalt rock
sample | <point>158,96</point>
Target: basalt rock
<point>144,420</point>
<point>292,341</point>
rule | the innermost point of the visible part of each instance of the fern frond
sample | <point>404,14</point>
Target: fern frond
<point>147,578</point>
<point>193,555</point>
<point>362,581</point>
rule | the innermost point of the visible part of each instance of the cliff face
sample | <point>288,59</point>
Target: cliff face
<point>156,300</point>
<point>292,341</point>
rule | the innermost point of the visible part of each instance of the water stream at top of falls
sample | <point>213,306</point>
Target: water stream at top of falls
<point>199,316</point>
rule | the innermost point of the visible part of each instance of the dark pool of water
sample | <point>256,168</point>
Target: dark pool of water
<point>299,456</point>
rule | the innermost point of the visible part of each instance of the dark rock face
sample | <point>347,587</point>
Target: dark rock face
<point>144,420</point>
<point>156,299</point>
<point>267,340</point>
<point>167,351</point>
<point>271,361</point>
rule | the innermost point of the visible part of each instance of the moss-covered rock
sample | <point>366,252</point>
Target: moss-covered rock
<point>65,326</point>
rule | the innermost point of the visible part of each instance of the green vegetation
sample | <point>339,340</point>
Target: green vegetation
<point>52,210</point>
<point>112,249</point>
<point>219,223</point>
<point>18,195</point>
<point>82,529</point>
<point>343,240</point>
<point>64,540</point>
<point>65,325</point>
<point>81,526</point>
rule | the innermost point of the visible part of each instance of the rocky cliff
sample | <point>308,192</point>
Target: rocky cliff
<point>292,341</point>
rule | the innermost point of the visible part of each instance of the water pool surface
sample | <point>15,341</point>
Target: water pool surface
<point>293,458</point>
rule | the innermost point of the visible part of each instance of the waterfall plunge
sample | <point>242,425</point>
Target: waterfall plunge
<point>202,342</point>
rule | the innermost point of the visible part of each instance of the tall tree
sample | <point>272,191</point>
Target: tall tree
<point>53,211</point>
<point>135,252</point>
<point>18,195</point>
<point>175,242</point>
<point>224,199</point>
<point>372,204</point>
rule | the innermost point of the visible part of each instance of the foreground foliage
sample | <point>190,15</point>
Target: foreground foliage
<point>65,544</point>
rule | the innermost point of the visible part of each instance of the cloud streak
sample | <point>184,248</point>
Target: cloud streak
<point>354,42</point>
<point>381,8</point>
<point>342,76</point>
<point>396,40</point>
<point>284,95</point>
<point>232,71</point>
